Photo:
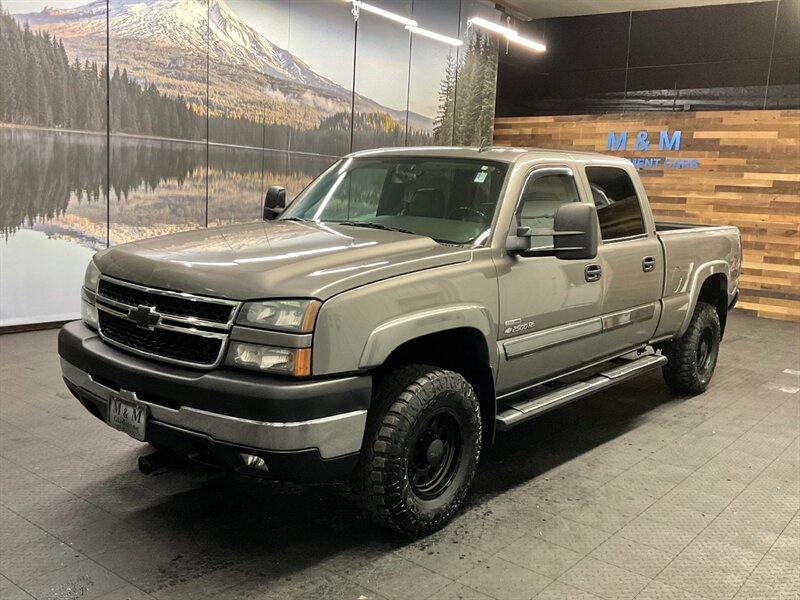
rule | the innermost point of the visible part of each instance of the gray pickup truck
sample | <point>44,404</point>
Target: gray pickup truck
<point>402,309</point>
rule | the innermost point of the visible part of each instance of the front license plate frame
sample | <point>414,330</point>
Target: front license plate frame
<point>128,416</point>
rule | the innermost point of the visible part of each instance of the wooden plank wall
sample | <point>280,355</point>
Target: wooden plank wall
<point>748,175</point>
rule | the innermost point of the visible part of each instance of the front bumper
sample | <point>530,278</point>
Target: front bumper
<point>225,412</point>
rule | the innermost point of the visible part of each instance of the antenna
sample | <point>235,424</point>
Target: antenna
<point>485,145</point>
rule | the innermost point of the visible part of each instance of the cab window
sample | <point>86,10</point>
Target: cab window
<point>540,200</point>
<point>618,207</point>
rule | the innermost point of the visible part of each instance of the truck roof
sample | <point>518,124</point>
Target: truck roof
<point>507,154</point>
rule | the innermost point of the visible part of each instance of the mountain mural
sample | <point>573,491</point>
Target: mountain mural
<point>166,42</point>
<point>125,119</point>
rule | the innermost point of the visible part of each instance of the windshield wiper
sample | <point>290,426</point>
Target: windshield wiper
<point>372,225</point>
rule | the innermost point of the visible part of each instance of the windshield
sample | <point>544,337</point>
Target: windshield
<point>449,200</point>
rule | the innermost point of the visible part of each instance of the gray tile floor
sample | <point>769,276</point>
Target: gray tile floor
<point>629,494</point>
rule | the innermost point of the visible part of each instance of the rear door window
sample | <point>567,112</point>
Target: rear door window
<point>618,207</point>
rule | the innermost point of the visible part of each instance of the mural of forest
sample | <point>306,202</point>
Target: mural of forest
<point>125,119</point>
<point>39,86</point>
<point>71,95</point>
<point>467,95</point>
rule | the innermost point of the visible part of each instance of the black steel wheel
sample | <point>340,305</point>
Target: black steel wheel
<point>435,451</point>
<point>704,349</point>
<point>421,448</point>
<point>693,357</point>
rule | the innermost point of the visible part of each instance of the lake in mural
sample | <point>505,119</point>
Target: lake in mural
<point>127,119</point>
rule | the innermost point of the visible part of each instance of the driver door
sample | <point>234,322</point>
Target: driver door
<point>549,308</point>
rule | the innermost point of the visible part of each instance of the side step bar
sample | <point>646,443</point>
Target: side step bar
<point>532,407</point>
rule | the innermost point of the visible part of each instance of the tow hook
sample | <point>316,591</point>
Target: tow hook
<point>152,464</point>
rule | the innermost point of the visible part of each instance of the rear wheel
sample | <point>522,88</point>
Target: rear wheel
<point>421,448</point>
<point>693,357</point>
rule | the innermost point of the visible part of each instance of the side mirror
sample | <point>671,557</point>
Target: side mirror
<point>274,202</point>
<point>574,234</point>
<point>576,227</point>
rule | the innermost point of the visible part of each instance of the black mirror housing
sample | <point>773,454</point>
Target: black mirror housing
<point>574,234</point>
<point>274,202</point>
<point>576,226</point>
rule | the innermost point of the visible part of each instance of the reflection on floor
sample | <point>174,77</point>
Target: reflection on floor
<point>631,493</point>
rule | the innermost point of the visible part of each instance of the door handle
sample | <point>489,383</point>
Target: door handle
<point>649,264</point>
<point>592,272</point>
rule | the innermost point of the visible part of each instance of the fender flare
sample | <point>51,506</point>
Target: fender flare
<point>703,272</point>
<point>391,334</point>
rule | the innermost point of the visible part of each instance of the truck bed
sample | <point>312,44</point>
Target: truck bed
<point>691,253</point>
<point>663,226</point>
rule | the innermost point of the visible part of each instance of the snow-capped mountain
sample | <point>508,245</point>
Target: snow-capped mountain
<point>184,24</point>
<point>193,27</point>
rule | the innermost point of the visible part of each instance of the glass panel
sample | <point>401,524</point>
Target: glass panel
<point>787,29</point>
<point>543,196</point>
<point>246,92</point>
<point>382,77</point>
<point>784,83</point>
<point>476,79</point>
<point>618,207</point>
<point>157,187</point>
<point>581,43</point>
<point>701,34</point>
<point>235,184</point>
<point>433,75</point>
<point>701,86</point>
<point>449,200</point>
<point>158,96</point>
<point>292,171</point>
<point>321,41</point>
<point>53,166</point>
<point>540,201</point>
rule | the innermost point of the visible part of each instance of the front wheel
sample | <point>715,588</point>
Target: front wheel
<point>421,448</point>
<point>693,357</point>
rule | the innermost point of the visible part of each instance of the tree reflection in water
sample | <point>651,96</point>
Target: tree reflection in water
<point>55,181</point>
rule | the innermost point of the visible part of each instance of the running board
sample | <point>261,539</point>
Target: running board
<point>532,407</point>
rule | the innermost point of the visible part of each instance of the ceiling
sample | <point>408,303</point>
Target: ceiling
<point>540,9</point>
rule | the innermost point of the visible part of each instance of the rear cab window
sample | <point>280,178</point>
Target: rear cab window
<point>619,208</point>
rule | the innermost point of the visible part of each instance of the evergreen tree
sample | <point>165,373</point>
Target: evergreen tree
<point>443,123</point>
<point>40,86</point>
<point>475,92</point>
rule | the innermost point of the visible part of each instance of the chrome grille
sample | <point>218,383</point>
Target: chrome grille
<point>174,304</point>
<point>160,342</point>
<point>171,326</point>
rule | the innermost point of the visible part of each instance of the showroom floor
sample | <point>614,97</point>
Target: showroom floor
<point>631,493</point>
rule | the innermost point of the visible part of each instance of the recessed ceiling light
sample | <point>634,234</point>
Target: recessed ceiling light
<point>533,45</point>
<point>434,36</point>
<point>384,13</point>
<point>510,34</point>
<point>492,26</point>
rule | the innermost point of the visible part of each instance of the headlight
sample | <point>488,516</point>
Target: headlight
<point>296,316</point>
<point>90,282</point>
<point>92,277</point>
<point>290,361</point>
<point>88,313</point>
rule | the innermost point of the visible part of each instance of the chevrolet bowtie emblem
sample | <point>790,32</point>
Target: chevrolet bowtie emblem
<point>145,317</point>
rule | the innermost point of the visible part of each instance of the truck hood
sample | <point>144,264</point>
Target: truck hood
<point>285,259</point>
